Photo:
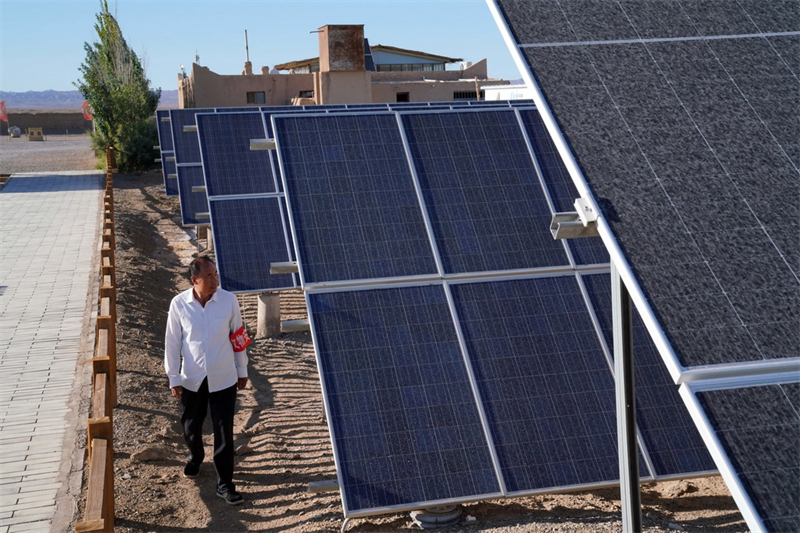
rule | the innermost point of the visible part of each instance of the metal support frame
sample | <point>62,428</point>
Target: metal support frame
<point>630,495</point>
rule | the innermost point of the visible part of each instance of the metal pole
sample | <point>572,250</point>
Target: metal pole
<point>626,405</point>
<point>246,47</point>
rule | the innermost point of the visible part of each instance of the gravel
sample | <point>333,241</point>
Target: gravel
<point>58,152</point>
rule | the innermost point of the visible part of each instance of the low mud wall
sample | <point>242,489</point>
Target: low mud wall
<point>53,123</point>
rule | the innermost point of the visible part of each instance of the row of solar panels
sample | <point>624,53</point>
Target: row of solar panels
<point>689,157</point>
<point>463,352</point>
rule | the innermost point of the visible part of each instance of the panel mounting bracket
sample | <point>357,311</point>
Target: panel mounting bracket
<point>288,267</point>
<point>575,224</point>
<point>190,128</point>
<point>262,144</point>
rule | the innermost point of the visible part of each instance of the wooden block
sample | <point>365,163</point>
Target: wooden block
<point>95,497</point>
<point>90,526</point>
<point>99,396</point>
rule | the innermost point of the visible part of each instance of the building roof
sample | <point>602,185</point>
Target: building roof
<point>414,53</point>
<point>378,47</point>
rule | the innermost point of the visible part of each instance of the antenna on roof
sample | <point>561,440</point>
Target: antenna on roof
<point>246,48</point>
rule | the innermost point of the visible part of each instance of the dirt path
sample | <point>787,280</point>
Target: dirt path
<point>281,437</point>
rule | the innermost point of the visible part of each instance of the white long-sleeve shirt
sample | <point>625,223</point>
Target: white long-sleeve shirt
<point>197,343</point>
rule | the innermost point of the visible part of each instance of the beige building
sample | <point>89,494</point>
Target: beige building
<point>347,71</point>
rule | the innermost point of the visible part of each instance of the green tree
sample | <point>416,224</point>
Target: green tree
<point>123,104</point>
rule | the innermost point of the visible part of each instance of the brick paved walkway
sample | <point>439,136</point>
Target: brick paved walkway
<point>49,236</point>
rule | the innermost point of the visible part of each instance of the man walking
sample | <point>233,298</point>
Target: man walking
<point>206,361</point>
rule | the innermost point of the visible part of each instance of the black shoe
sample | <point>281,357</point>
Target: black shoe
<point>231,496</point>
<point>191,470</point>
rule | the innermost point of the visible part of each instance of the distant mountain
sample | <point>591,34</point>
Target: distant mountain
<point>63,100</point>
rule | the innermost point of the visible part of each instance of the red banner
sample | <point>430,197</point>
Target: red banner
<point>87,111</point>
<point>240,340</point>
<point>3,112</point>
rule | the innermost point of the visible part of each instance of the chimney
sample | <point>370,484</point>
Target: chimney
<point>341,48</point>
<point>248,68</point>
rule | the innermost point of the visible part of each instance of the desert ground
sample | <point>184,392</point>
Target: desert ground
<point>281,437</point>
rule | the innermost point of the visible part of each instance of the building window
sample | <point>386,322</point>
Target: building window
<point>410,67</point>
<point>468,95</point>
<point>402,97</point>
<point>306,94</point>
<point>258,97</point>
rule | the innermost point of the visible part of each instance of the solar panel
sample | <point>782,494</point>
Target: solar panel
<point>486,205</point>
<point>168,172</point>
<point>352,201</point>
<point>369,61</point>
<point>164,131</point>
<point>249,235</point>
<point>670,118</point>
<point>403,418</point>
<point>193,204</point>
<point>670,437</point>
<point>187,149</point>
<point>761,444</point>
<point>531,345</point>
<point>544,380</point>
<point>229,166</point>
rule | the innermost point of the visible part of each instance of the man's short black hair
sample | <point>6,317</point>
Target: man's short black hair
<point>197,264</point>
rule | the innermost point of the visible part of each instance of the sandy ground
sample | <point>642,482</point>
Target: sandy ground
<point>58,152</point>
<point>282,440</point>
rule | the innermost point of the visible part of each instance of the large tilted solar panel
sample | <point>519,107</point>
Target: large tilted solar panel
<point>758,446</point>
<point>667,133</point>
<point>674,115</point>
<point>194,204</point>
<point>249,235</point>
<point>510,328</point>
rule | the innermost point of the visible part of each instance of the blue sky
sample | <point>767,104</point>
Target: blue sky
<point>41,42</point>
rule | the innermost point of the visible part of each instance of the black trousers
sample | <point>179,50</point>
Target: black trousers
<point>223,406</point>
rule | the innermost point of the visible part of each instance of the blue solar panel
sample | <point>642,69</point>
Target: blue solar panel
<point>369,61</point>
<point>402,415</point>
<point>671,438</point>
<point>167,170</point>
<point>544,381</point>
<point>164,131</point>
<point>353,204</point>
<point>485,202</point>
<point>192,203</point>
<point>229,166</point>
<point>187,149</point>
<point>249,235</point>
<point>562,191</point>
<point>762,444</point>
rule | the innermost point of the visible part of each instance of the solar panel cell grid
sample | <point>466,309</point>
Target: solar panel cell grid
<point>187,149</point>
<point>671,438</point>
<point>545,383</point>
<point>352,198</point>
<point>229,166</point>
<point>164,131</point>
<point>249,236</point>
<point>486,205</point>
<point>168,169</point>
<point>762,443</point>
<point>403,417</point>
<point>192,203</point>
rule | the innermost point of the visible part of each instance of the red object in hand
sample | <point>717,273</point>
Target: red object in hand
<point>240,340</point>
